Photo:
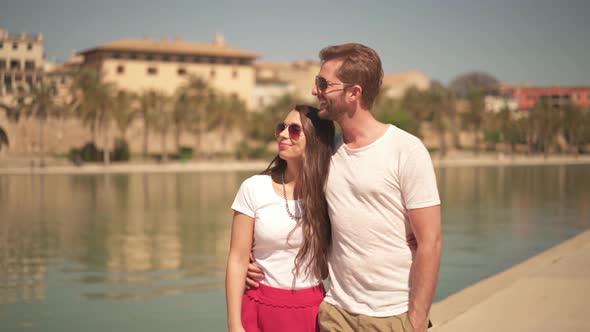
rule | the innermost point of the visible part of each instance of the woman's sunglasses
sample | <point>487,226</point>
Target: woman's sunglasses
<point>294,130</point>
<point>322,84</point>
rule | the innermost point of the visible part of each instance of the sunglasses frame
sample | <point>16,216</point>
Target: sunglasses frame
<point>294,134</point>
<point>328,84</point>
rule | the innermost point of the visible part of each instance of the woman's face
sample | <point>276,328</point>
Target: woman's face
<point>290,137</point>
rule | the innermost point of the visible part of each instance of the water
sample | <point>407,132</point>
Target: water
<point>147,252</point>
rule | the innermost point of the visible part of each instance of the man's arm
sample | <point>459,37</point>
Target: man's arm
<point>426,226</point>
<point>254,274</point>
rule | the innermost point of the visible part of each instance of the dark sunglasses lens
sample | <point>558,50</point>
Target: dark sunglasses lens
<point>294,131</point>
<point>321,83</point>
<point>279,129</point>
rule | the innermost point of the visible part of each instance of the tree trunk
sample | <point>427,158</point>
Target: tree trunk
<point>443,143</point>
<point>41,142</point>
<point>105,152</point>
<point>177,132</point>
<point>164,153</point>
<point>145,136</point>
<point>476,141</point>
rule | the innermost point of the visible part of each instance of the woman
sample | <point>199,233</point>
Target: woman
<point>275,215</point>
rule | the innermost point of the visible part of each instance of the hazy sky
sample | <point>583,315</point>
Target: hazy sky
<point>520,41</point>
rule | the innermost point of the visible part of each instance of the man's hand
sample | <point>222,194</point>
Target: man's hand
<point>254,274</point>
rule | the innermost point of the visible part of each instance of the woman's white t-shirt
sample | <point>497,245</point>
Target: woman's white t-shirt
<point>277,237</point>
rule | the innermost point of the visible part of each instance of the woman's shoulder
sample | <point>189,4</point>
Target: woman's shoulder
<point>257,180</point>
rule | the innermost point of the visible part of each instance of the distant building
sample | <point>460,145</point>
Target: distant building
<point>495,104</point>
<point>276,79</point>
<point>397,84</point>
<point>140,64</point>
<point>21,62</point>
<point>527,97</point>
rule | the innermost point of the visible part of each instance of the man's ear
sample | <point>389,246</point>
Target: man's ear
<point>355,92</point>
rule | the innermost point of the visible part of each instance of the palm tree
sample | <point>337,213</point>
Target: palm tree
<point>546,124</point>
<point>575,126</point>
<point>146,102</point>
<point>162,119</point>
<point>227,113</point>
<point>96,102</point>
<point>474,118</point>
<point>434,105</point>
<point>198,94</point>
<point>40,103</point>
<point>182,115</point>
<point>123,111</point>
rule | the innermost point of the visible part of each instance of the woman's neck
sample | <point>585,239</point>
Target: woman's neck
<point>292,172</point>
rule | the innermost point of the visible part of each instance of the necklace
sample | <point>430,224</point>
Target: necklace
<point>291,215</point>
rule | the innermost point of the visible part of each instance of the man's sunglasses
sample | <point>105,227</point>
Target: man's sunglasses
<point>294,130</point>
<point>322,84</point>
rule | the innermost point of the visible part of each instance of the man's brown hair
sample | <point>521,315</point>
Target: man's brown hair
<point>360,65</point>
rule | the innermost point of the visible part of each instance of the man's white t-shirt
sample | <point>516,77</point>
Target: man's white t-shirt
<point>369,192</point>
<point>276,238</point>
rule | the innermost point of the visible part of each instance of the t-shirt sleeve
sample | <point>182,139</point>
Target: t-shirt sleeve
<point>244,201</point>
<point>418,181</point>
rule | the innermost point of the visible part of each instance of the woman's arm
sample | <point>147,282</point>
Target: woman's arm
<point>237,265</point>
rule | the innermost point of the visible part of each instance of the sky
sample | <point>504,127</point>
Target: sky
<point>520,41</point>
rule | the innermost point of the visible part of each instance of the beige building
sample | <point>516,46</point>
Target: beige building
<point>21,62</point>
<point>276,79</point>
<point>396,84</point>
<point>141,64</point>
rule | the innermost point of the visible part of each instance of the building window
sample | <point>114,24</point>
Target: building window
<point>181,71</point>
<point>1,45</point>
<point>15,46</point>
<point>29,46</point>
<point>117,56</point>
<point>181,58</point>
<point>120,69</point>
<point>234,73</point>
<point>133,56</point>
<point>29,65</point>
<point>14,64</point>
<point>166,58</point>
<point>2,64</point>
<point>8,84</point>
<point>18,77</point>
<point>29,79</point>
<point>212,73</point>
<point>197,59</point>
<point>152,71</point>
<point>149,57</point>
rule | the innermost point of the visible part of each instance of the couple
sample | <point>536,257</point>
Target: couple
<point>339,209</point>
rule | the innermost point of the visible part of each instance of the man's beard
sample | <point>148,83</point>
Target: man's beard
<point>334,109</point>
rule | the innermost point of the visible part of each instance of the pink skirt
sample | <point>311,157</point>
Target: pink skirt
<point>268,309</point>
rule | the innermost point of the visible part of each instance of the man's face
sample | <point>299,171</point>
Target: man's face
<point>332,102</point>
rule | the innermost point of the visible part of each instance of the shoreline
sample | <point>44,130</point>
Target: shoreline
<point>546,290</point>
<point>484,160</point>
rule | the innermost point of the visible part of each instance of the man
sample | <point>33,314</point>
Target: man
<point>381,188</point>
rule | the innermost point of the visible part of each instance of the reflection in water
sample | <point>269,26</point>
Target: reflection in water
<point>123,237</point>
<point>137,235</point>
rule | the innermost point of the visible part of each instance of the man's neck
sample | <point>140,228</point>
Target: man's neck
<point>361,129</point>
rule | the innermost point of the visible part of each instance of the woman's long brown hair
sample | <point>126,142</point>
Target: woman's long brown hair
<point>317,236</point>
